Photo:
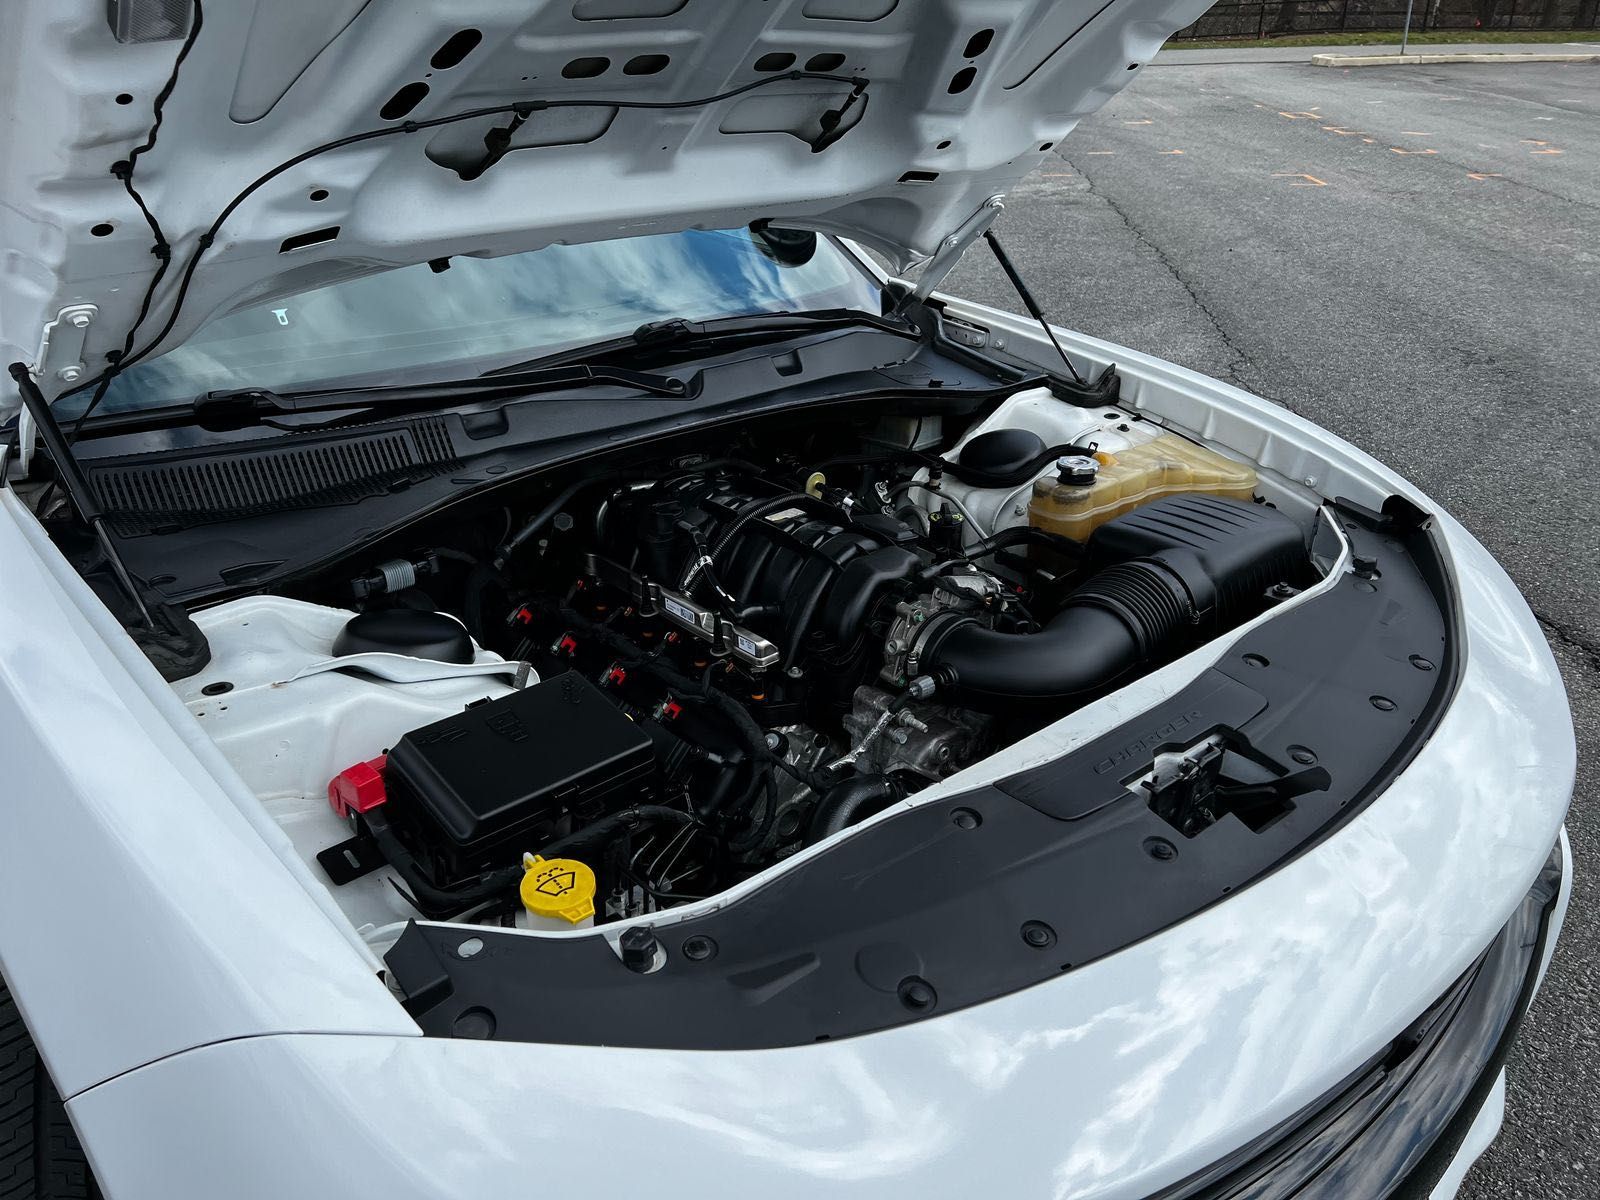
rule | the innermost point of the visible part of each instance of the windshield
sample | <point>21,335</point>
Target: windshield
<point>464,318</point>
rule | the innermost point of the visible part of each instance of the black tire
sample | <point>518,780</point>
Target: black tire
<point>40,1158</point>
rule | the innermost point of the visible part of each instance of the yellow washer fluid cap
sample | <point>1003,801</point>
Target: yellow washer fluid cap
<point>557,892</point>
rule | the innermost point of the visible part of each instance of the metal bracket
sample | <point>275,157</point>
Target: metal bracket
<point>351,859</point>
<point>61,344</point>
<point>954,245</point>
<point>60,359</point>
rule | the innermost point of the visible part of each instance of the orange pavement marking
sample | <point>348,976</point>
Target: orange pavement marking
<point>1314,181</point>
<point>1415,133</point>
<point>1171,151</point>
<point>1099,151</point>
<point>1552,151</point>
<point>1302,116</point>
<point>1344,132</point>
<point>1397,150</point>
<point>1140,121</point>
<point>1533,142</point>
<point>1481,175</point>
<point>1370,141</point>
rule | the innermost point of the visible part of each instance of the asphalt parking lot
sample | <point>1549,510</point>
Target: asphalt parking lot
<point>1409,256</point>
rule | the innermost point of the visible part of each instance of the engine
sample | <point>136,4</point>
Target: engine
<point>682,672</point>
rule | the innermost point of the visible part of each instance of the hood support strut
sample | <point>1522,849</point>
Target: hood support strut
<point>75,484</point>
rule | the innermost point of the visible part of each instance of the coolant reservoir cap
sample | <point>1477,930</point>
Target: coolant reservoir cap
<point>1080,469</point>
<point>557,887</point>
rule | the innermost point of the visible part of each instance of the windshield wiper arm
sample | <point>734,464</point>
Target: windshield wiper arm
<point>680,333</point>
<point>241,407</point>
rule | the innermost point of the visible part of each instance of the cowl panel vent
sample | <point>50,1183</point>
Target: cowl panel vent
<point>160,493</point>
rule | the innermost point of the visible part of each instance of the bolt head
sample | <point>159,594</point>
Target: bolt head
<point>80,320</point>
<point>69,374</point>
<point>638,946</point>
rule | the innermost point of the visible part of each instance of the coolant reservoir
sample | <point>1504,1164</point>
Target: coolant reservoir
<point>1084,493</point>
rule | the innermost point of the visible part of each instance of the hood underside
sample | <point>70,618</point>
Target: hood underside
<point>889,121</point>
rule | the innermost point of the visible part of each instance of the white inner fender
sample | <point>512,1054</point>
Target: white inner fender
<point>292,717</point>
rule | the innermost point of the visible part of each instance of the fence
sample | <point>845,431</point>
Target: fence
<point>1271,18</point>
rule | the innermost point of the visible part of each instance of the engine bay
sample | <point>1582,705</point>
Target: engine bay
<point>645,679</point>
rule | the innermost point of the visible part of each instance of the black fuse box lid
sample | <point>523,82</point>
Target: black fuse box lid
<point>499,767</point>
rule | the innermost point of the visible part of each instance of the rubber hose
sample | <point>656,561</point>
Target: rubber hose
<point>1122,617</point>
<point>973,477</point>
<point>756,835</point>
<point>847,802</point>
<point>607,827</point>
<point>1018,535</point>
<point>543,517</point>
<point>429,899</point>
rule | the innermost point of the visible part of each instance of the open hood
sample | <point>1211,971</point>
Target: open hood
<point>890,121</point>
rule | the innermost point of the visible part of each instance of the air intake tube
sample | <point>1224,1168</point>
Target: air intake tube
<point>1121,618</point>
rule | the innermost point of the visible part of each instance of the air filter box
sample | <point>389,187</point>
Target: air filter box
<point>1227,552</point>
<point>475,790</point>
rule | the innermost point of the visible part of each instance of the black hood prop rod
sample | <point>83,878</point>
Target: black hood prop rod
<point>1034,311</point>
<point>75,484</point>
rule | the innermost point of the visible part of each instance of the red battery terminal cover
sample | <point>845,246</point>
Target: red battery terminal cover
<point>358,789</point>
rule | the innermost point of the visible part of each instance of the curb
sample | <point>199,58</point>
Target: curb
<point>1407,60</point>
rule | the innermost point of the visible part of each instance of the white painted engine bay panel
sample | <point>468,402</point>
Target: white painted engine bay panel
<point>289,732</point>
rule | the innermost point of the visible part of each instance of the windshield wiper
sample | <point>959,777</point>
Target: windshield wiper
<point>242,407</point>
<point>678,335</point>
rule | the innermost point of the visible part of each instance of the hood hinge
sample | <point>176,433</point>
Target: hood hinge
<point>955,245</point>
<point>60,360</point>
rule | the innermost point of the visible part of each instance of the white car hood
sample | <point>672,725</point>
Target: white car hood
<point>961,99</point>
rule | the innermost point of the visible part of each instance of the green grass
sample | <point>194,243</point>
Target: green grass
<point>1391,37</point>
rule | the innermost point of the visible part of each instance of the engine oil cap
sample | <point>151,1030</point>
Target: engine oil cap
<point>557,892</point>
